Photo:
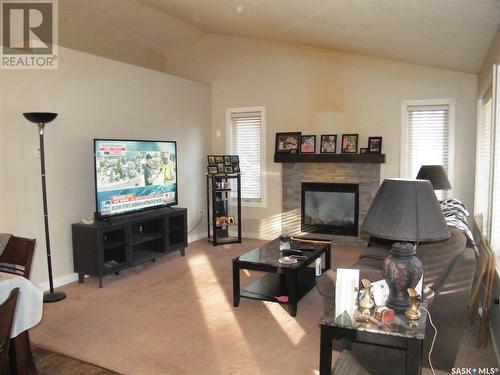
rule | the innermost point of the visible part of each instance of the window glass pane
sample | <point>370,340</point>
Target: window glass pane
<point>495,204</point>
<point>483,165</point>
<point>427,139</point>
<point>246,142</point>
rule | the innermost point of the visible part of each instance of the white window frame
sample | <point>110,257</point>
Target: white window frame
<point>263,180</point>
<point>451,135</point>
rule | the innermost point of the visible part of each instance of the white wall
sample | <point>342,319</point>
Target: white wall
<point>95,97</point>
<point>324,92</point>
<point>492,57</point>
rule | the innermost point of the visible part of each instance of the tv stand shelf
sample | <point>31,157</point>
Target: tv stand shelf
<point>115,244</point>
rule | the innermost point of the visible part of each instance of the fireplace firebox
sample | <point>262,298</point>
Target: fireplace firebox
<point>330,208</point>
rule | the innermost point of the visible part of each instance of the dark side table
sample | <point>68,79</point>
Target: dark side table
<point>401,334</point>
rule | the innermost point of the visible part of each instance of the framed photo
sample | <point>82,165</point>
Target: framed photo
<point>227,160</point>
<point>211,161</point>
<point>220,168</point>
<point>236,167</point>
<point>219,159</point>
<point>363,150</point>
<point>307,144</point>
<point>228,169</point>
<point>328,144</point>
<point>349,143</point>
<point>235,159</point>
<point>212,169</point>
<point>375,145</point>
<point>287,142</point>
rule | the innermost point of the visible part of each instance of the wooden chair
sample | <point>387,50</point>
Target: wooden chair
<point>7,310</point>
<point>17,256</point>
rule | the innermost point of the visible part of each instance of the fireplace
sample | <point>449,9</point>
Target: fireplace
<point>330,208</point>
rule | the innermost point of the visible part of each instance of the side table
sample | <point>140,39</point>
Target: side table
<point>401,334</point>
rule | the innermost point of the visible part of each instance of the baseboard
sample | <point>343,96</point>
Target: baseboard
<point>59,281</point>
<point>63,280</point>
<point>196,237</point>
<point>258,236</point>
<point>495,348</point>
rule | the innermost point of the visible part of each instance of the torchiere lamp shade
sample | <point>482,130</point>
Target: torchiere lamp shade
<point>406,210</point>
<point>436,175</point>
<point>40,117</point>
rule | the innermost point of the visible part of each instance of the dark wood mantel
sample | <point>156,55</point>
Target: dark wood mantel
<point>329,158</point>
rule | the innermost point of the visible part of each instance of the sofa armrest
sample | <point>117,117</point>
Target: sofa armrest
<point>326,283</point>
<point>448,311</point>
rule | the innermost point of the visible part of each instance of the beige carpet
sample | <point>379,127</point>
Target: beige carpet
<point>50,363</point>
<point>175,316</point>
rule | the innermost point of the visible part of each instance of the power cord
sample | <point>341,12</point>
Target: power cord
<point>433,339</point>
<point>196,226</point>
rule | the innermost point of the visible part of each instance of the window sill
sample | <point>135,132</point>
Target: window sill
<point>253,204</point>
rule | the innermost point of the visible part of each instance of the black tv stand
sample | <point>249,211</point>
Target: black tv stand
<point>110,246</point>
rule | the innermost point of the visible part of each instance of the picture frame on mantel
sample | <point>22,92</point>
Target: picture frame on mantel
<point>375,145</point>
<point>328,144</point>
<point>349,143</point>
<point>307,144</point>
<point>288,143</point>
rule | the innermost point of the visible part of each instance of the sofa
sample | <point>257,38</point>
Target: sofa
<point>449,272</point>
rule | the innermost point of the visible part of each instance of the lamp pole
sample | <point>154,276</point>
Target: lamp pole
<point>42,118</point>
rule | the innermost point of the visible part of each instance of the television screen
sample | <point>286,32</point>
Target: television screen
<point>134,175</point>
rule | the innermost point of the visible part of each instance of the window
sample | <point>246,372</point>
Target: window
<point>494,197</point>
<point>427,137</point>
<point>482,190</point>
<point>245,134</point>
<point>487,189</point>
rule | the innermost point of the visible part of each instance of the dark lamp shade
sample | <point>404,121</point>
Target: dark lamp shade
<point>436,175</point>
<point>40,117</point>
<point>406,210</point>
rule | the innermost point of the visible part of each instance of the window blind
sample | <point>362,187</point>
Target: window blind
<point>495,204</point>
<point>483,164</point>
<point>428,129</point>
<point>246,130</point>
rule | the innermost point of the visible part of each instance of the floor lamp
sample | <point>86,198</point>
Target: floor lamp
<point>42,118</point>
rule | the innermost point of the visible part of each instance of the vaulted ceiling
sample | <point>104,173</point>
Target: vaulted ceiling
<point>448,34</point>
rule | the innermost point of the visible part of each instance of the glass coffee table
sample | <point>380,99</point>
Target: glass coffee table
<point>283,283</point>
<point>401,334</point>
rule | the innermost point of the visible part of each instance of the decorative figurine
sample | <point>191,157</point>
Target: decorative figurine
<point>366,300</point>
<point>413,312</point>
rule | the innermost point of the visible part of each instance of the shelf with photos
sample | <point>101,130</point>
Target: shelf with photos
<point>294,147</point>
<point>223,199</point>
<point>223,164</point>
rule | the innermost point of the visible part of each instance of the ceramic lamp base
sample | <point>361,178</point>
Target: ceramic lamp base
<point>402,270</point>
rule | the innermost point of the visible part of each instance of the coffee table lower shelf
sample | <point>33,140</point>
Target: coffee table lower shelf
<point>273,285</point>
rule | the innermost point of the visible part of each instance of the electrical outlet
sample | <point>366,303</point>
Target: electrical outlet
<point>200,212</point>
<point>37,152</point>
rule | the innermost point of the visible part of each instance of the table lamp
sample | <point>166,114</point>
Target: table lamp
<point>42,118</point>
<point>406,211</point>
<point>436,175</point>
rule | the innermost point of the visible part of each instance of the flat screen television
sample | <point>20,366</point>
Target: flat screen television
<point>133,175</point>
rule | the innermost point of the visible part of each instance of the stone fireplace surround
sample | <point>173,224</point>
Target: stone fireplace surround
<point>367,175</point>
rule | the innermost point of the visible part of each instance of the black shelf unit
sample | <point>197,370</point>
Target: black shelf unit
<point>223,202</point>
<point>112,245</point>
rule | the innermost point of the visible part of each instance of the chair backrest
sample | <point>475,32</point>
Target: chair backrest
<point>7,310</point>
<point>17,256</point>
